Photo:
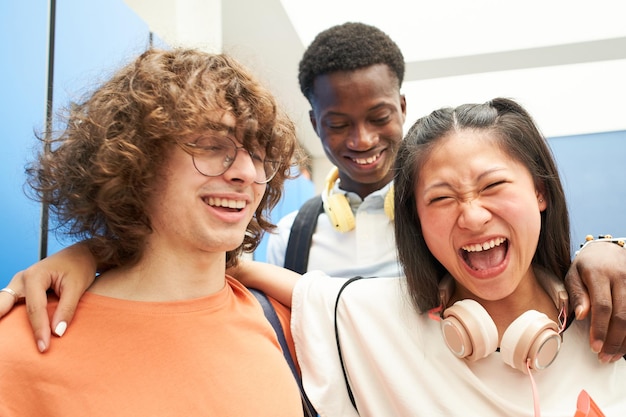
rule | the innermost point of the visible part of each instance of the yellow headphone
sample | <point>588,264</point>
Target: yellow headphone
<point>338,208</point>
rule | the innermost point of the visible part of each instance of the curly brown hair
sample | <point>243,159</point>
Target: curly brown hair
<point>99,172</point>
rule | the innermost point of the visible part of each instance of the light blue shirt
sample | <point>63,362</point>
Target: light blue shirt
<point>368,250</point>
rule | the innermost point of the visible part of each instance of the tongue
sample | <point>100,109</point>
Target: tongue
<point>487,258</point>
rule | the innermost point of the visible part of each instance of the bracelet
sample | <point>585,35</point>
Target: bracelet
<point>619,241</point>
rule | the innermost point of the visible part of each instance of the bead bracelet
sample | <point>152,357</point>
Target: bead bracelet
<point>619,241</point>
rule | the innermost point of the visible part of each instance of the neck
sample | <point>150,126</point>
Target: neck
<point>363,190</point>
<point>165,276</point>
<point>506,311</point>
<point>529,295</point>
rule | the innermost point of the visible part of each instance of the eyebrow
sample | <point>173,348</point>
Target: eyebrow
<point>378,106</point>
<point>221,128</point>
<point>226,130</point>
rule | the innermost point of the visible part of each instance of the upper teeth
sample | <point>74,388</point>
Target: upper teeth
<point>484,246</point>
<point>363,161</point>
<point>224,202</point>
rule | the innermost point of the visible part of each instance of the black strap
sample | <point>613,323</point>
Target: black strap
<point>272,317</point>
<point>343,368</point>
<point>299,244</point>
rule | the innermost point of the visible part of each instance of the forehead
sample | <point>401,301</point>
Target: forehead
<point>221,121</point>
<point>466,149</point>
<point>365,86</point>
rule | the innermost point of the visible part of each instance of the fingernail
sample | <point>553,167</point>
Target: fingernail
<point>579,312</point>
<point>60,329</point>
<point>596,346</point>
<point>604,358</point>
<point>41,346</point>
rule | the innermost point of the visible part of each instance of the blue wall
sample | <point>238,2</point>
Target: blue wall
<point>91,36</point>
<point>297,192</point>
<point>593,171</point>
<point>22,106</point>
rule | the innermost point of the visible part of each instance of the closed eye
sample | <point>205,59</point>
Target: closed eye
<point>210,148</point>
<point>381,120</point>
<point>337,126</point>
<point>493,185</point>
<point>256,156</point>
<point>438,199</point>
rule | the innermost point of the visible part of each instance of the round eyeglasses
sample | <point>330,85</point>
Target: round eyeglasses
<point>212,155</point>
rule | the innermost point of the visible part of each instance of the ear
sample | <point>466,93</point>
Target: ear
<point>313,120</point>
<point>541,197</point>
<point>403,107</point>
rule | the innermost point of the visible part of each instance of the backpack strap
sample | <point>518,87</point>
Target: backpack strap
<point>272,317</point>
<point>299,244</point>
<point>343,368</point>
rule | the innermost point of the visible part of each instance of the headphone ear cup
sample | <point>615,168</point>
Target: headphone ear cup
<point>468,330</point>
<point>339,212</point>
<point>388,204</point>
<point>531,336</point>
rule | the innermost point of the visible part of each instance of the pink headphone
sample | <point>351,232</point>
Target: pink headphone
<point>531,341</point>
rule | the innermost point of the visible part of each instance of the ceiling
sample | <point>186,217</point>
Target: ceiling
<point>427,30</point>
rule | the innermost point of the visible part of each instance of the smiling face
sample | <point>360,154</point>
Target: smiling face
<point>190,212</point>
<point>359,117</point>
<point>479,211</point>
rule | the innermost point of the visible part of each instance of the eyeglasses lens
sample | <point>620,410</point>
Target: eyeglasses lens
<point>214,154</point>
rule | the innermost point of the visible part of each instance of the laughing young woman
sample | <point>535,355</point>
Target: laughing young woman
<point>481,324</point>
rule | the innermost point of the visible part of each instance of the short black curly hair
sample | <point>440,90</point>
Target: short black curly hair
<point>348,47</point>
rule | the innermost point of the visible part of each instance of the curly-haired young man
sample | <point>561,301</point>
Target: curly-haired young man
<point>168,168</point>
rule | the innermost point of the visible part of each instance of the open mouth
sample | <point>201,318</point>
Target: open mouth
<point>234,205</point>
<point>367,161</point>
<point>486,255</point>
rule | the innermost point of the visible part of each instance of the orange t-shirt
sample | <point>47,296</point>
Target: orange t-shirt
<point>212,356</point>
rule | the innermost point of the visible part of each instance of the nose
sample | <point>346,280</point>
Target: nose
<point>242,168</point>
<point>473,215</point>
<point>362,138</point>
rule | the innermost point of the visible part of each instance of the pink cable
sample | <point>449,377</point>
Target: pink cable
<point>435,313</point>
<point>534,389</point>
